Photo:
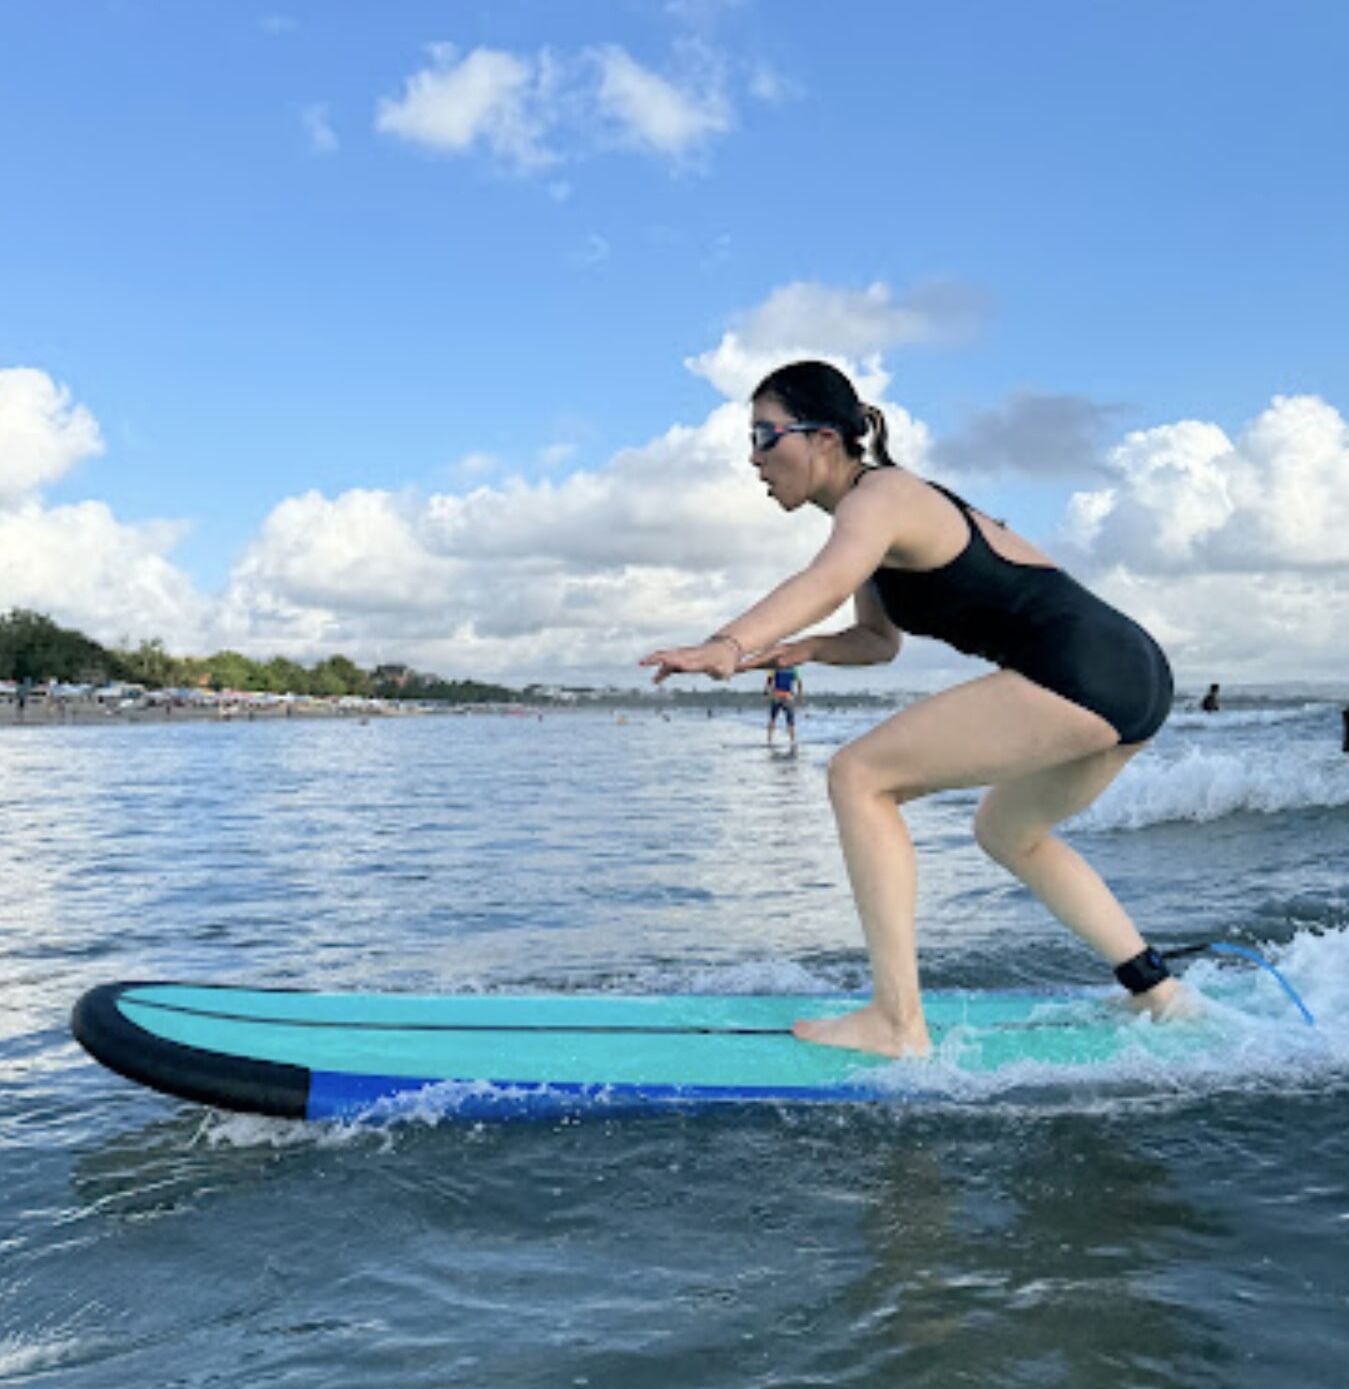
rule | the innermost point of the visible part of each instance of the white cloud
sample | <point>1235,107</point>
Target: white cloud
<point>362,552</point>
<point>651,112</point>
<point>1184,498</point>
<point>80,565</point>
<point>1234,552</point>
<point>42,434</point>
<point>809,319</point>
<point>533,111</point>
<point>1290,489</point>
<point>491,97</point>
<point>322,136</point>
<point>1267,627</point>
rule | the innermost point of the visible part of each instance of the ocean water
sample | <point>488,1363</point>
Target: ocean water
<point>1183,1224</point>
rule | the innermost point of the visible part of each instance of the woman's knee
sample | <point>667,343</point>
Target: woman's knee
<point>1007,844</point>
<point>852,776</point>
<point>846,776</point>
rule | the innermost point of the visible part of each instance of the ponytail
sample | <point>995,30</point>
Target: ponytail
<point>880,436</point>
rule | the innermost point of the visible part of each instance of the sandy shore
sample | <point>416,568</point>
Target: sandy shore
<point>46,713</point>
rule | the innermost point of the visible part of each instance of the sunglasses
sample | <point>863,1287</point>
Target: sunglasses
<point>764,435</point>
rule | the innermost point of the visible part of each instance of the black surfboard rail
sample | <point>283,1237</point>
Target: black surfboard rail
<point>190,1073</point>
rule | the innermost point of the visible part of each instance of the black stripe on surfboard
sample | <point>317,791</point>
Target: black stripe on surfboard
<point>580,1029</point>
<point>358,1025</point>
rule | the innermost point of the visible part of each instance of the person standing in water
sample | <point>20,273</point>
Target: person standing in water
<point>783,688</point>
<point>1209,704</point>
<point>1079,690</point>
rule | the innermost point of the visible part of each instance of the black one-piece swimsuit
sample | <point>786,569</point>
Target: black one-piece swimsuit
<point>1038,621</point>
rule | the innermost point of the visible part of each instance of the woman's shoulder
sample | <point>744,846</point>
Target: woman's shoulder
<point>913,501</point>
<point>893,481</point>
<point>919,520</point>
<point>882,484</point>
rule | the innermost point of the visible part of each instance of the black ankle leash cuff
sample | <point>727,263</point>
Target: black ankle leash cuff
<point>1145,971</point>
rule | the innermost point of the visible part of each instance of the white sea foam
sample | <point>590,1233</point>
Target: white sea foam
<point>762,976</point>
<point>22,1356</point>
<point>222,1129</point>
<point>1250,1037</point>
<point>1202,784</point>
<point>1227,719</point>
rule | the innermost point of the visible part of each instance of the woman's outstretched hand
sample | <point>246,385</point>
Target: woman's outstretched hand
<point>717,658</point>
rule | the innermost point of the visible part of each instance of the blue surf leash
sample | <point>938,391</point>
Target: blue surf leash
<point>1245,953</point>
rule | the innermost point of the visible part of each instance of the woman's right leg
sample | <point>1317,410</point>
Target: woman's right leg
<point>883,875</point>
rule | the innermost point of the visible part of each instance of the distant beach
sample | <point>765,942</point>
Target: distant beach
<point>47,712</point>
<point>44,709</point>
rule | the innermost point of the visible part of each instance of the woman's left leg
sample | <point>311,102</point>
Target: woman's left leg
<point>1013,827</point>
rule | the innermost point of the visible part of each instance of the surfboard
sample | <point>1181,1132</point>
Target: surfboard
<point>309,1055</point>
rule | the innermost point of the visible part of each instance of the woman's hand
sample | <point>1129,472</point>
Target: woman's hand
<point>781,655</point>
<point>717,657</point>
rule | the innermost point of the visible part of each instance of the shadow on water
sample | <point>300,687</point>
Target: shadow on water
<point>996,1261</point>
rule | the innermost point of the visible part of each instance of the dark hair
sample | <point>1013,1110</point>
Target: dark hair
<point>817,391</point>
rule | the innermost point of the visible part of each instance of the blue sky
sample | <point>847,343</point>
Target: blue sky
<point>388,256</point>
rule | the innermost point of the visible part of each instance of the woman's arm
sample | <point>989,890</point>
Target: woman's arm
<point>872,641</point>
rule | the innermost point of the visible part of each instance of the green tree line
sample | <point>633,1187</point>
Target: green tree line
<point>34,648</point>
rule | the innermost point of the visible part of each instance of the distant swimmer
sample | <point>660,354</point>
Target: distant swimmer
<point>1079,689</point>
<point>783,688</point>
<point>1209,704</point>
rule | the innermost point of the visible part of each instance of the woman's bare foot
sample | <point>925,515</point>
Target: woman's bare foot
<point>1169,1001</point>
<point>868,1029</point>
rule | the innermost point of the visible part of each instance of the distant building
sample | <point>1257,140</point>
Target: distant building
<point>395,674</point>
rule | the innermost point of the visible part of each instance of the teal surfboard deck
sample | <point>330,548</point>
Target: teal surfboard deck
<point>316,1055</point>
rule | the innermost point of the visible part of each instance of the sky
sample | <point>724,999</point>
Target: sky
<point>424,332</point>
